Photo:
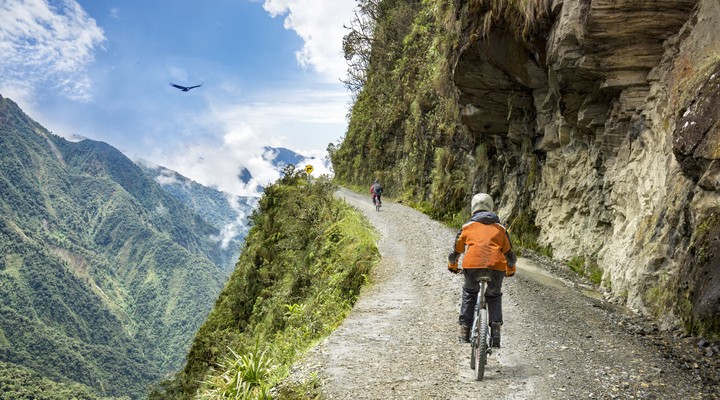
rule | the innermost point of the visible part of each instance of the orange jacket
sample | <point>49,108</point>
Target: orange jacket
<point>486,244</point>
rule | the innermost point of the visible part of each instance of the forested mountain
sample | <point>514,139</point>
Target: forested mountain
<point>104,275</point>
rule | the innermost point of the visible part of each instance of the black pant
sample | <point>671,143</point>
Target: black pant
<point>493,294</point>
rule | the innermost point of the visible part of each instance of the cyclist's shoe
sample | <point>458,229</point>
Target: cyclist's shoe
<point>464,334</point>
<point>495,334</point>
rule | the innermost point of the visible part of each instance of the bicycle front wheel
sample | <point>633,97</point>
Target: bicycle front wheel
<point>481,344</point>
<point>473,345</point>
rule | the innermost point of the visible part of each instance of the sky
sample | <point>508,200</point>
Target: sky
<point>270,71</point>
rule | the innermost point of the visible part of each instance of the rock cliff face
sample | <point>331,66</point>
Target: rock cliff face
<point>594,124</point>
<point>610,121</point>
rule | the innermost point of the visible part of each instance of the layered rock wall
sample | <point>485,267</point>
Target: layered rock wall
<point>618,114</point>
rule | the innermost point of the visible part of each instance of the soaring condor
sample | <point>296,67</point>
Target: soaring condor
<point>185,88</point>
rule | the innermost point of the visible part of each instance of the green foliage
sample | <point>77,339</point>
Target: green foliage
<point>520,16</point>
<point>242,377</point>
<point>405,72</point>
<point>525,233</point>
<point>577,264</point>
<point>449,187</point>
<point>595,273</point>
<point>18,383</point>
<point>301,269</point>
<point>584,267</point>
<point>546,251</point>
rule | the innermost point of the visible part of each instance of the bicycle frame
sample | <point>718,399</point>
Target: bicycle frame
<point>479,305</point>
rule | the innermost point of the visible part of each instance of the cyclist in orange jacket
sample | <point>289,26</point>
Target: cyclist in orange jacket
<point>488,251</point>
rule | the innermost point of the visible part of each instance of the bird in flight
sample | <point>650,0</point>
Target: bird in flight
<point>185,88</point>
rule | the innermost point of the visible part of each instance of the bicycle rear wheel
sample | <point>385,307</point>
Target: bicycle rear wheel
<point>481,344</point>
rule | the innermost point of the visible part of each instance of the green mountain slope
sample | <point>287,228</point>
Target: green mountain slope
<point>104,276</point>
<point>301,268</point>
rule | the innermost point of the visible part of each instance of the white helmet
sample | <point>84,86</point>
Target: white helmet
<point>481,202</point>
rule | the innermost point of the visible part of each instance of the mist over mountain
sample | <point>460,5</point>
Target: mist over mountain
<point>225,212</point>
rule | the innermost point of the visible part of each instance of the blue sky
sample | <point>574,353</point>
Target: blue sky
<point>102,69</point>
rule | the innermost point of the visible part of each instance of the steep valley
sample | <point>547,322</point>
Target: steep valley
<point>104,274</point>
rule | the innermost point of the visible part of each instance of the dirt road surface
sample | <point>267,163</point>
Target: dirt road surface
<point>559,340</point>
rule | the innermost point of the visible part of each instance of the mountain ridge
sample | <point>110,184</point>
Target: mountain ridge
<point>104,275</point>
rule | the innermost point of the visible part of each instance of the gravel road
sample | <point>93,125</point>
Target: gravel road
<point>559,340</point>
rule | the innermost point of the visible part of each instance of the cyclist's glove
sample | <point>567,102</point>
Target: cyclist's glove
<point>453,267</point>
<point>510,271</point>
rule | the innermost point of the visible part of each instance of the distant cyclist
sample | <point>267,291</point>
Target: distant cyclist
<point>376,191</point>
<point>488,251</point>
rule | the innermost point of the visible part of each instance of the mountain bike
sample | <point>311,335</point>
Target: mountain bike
<point>480,333</point>
<point>378,203</point>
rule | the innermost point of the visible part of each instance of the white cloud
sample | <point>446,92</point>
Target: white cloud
<point>272,110</point>
<point>218,165</point>
<point>44,45</point>
<point>320,24</point>
<point>166,178</point>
